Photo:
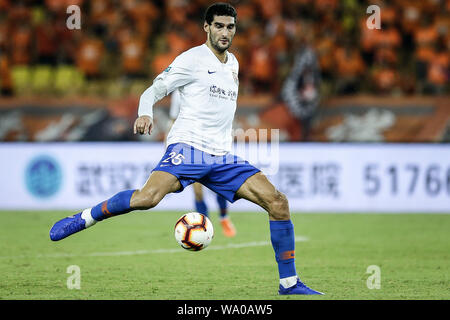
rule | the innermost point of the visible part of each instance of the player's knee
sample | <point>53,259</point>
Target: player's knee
<point>279,207</point>
<point>145,199</point>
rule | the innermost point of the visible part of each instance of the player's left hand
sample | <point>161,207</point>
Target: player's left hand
<point>143,125</point>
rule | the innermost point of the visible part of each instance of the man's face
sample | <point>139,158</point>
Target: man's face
<point>221,32</point>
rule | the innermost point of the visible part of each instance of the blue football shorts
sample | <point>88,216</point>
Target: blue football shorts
<point>222,174</point>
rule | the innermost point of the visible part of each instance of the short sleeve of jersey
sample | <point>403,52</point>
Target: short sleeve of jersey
<point>236,62</point>
<point>180,72</point>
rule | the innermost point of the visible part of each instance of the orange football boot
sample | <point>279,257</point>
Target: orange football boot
<point>227,227</point>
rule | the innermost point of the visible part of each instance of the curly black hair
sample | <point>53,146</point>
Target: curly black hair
<point>219,9</point>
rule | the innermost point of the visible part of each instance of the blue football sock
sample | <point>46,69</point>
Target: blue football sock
<point>200,207</point>
<point>118,204</point>
<point>283,241</point>
<point>222,206</point>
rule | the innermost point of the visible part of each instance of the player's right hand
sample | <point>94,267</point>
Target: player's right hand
<point>143,125</point>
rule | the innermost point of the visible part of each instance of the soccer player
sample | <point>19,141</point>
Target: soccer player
<point>199,145</point>
<point>228,228</point>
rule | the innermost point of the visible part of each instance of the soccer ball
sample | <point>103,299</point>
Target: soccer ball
<point>194,231</point>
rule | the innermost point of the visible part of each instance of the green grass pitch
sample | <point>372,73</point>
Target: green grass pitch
<point>135,256</point>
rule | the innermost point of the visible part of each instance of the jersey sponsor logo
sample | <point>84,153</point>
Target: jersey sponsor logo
<point>167,69</point>
<point>43,176</point>
<point>211,72</point>
<point>217,92</point>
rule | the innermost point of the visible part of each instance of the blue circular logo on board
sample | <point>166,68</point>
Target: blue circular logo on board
<point>43,177</point>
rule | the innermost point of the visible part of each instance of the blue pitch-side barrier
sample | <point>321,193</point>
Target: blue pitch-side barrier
<point>316,177</point>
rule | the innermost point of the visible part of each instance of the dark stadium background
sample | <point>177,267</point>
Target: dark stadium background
<point>59,84</point>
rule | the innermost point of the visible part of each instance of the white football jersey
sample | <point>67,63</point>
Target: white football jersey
<point>208,91</point>
<point>174,104</point>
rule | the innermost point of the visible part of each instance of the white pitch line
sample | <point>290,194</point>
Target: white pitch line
<point>142,252</point>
